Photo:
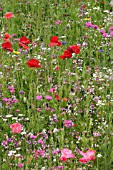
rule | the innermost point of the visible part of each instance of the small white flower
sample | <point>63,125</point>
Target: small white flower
<point>99,155</point>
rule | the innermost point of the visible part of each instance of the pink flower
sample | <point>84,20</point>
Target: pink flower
<point>48,97</point>
<point>20,165</point>
<point>95,26</point>
<point>39,97</point>
<point>88,156</point>
<point>16,127</point>
<point>67,123</point>
<point>65,154</point>
<point>11,89</point>
<point>88,24</point>
<point>8,15</point>
<point>111,33</point>
<point>57,22</point>
<point>102,31</point>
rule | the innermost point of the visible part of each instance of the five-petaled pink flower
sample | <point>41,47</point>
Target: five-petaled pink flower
<point>65,154</point>
<point>8,15</point>
<point>88,156</point>
<point>16,127</point>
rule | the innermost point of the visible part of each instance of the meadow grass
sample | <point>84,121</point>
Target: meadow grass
<point>84,84</point>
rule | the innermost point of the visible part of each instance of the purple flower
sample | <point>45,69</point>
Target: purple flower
<point>101,51</point>
<point>33,136</point>
<point>95,26</point>
<point>63,42</point>
<point>54,152</point>
<point>48,97</point>
<point>60,167</point>
<point>39,97</point>
<point>21,92</point>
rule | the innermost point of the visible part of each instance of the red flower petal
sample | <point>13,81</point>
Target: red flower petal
<point>8,15</point>
<point>7,36</point>
<point>62,57</point>
<point>24,40</point>
<point>57,97</point>
<point>23,45</point>
<point>54,39</point>
<point>76,49</point>
<point>33,63</point>
<point>67,54</point>
<point>7,46</point>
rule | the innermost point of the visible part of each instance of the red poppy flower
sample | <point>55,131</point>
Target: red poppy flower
<point>7,46</point>
<point>6,37</point>
<point>23,41</point>
<point>67,54</point>
<point>33,63</point>
<point>8,15</point>
<point>74,49</point>
<point>54,41</point>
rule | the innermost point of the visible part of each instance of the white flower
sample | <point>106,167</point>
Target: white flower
<point>99,155</point>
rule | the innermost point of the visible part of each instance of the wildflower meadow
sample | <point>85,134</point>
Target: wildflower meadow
<point>56,85</point>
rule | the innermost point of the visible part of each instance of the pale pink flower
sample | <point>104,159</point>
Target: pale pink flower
<point>65,154</point>
<point>88,156</point>
<point>57,22</point>
<point>16,127</point>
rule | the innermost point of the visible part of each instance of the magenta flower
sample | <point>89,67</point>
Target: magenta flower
<point>105,35</point>
<point>88,156</point>
<point>20,165</point>
<point>88,24</point>
<point>95,26</point>
<point>48,97</point>
<point>67,123</point>
<point>65,154</point>
<point>102,31</point>
<point>39,97</point>
<point>52,90</point>
<point>33,136</point>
